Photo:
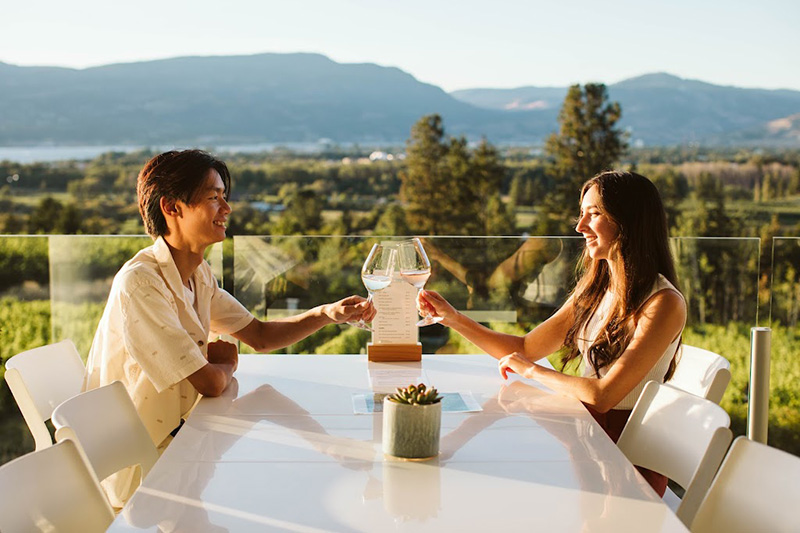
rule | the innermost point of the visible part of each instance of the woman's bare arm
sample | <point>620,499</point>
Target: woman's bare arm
<point>661,320</point>
<point>543,340</point>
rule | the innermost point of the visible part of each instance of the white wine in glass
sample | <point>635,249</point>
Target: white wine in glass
<point>376,274</point>
<point>415,269</point>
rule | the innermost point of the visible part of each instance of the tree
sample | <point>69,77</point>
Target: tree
<point>392,221</point>
<point>44,218</point>
<point>424,183</point>
<point>69,220</point>
<point>674,188</point>
<point>446,187</point>
<point>586,143</point>
<point>303,214</point>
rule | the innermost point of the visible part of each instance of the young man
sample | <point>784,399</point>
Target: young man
<point>165,303</point>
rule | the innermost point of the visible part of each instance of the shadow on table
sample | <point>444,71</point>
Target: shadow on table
<point>177,504</point>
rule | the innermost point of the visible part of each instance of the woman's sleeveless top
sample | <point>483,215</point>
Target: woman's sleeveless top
<point>592,330</point>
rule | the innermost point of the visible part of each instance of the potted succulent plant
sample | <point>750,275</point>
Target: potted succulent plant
<point>412,419</point>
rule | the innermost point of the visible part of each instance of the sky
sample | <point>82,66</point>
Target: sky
<point>454,44</point>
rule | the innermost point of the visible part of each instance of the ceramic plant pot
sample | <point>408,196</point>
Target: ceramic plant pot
<point>411,431</point>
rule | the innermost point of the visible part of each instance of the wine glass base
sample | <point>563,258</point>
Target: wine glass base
<point>361,325</point>
<point>429,321</point>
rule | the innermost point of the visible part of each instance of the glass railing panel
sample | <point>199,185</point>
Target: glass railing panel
<point>82,268</point>
<point>279,276</point>
<point>784,308</point>
<point>784,319</point>
<point>24,297</point>
<point>504,281</point>
<point>81,271</point>
<point>719,279</point>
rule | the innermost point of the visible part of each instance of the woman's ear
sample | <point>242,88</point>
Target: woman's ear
<point>170,207</point>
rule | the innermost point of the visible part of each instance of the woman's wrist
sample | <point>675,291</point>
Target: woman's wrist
<point>530,372</point>
<point>537,371</point>
<point>453,320</point>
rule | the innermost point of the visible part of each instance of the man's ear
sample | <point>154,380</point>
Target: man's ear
<point>170,207</point>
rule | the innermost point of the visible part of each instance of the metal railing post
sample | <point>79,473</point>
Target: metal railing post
<point>758,403</point>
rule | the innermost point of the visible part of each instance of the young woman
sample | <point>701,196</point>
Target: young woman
<point>624,318</point>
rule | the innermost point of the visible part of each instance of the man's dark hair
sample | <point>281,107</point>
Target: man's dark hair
<point>175,175</point>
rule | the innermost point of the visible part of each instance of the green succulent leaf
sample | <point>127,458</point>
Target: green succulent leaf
<point>416,395</point>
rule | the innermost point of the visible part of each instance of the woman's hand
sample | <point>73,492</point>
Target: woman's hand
<point>516,363</point>
<point>432,302</point>
<point>350,309</point>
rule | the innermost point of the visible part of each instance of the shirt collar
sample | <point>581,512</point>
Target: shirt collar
<point>170,271</point>
<point>168,268</point>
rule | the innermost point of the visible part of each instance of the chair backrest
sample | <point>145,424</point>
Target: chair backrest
<point>42,378</point>
<point>679,435</point>
<point>701,372</point>
<point>52,490</point>
<point>105,424</point>
<point>756,489</point>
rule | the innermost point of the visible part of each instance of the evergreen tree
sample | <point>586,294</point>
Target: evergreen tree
<point>587,142</point>
<point>446,187</point>
<point>69,220</point>
<point>424,189</point>
<point>44,218</point>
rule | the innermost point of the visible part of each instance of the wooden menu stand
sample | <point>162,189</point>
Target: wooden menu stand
<point>386,353</point>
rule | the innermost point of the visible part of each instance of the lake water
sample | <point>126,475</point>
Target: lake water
<point>33,154</point>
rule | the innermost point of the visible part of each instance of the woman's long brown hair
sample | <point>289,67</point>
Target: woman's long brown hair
<point>642,246</point>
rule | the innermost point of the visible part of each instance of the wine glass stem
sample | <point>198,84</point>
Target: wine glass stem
<point>420,314</point>
<point>369,300</point>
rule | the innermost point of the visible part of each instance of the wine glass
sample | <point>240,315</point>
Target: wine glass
<point>415,268</point>
<point>376,274</point>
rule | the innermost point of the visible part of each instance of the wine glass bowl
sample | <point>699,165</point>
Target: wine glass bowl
<point>376,274</point>
<point>415,269</point>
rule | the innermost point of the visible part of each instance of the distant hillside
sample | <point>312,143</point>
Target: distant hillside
<point>664,109</point>
<point>306,97</point>
<point>236,99</point>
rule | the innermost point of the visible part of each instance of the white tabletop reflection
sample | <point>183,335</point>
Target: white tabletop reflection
<point>283,450</point>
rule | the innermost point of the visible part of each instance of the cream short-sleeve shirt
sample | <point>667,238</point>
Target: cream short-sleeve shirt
<point>151,338</point>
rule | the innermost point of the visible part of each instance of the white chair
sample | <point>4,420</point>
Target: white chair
<point>702,373</point>
<point>42,378</point>
<point>52,490</point>
<point>105,424</point>
<point>678,435</point>
<point>756,489</point>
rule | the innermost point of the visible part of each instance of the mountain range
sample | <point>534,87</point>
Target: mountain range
<point>306,97</point>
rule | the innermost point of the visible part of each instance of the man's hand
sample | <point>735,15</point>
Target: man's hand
<point>214,377</point>
<point>223,352</point>
<point>350,309</point>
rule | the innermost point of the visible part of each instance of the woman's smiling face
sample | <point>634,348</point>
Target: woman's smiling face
<point>598,230</point>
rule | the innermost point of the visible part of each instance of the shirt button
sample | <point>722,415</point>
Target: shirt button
<point>199,343</point>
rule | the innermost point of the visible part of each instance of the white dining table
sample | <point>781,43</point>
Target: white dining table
<point>283,449</point>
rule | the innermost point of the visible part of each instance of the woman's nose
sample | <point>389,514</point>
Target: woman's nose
<point>581,225</point>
